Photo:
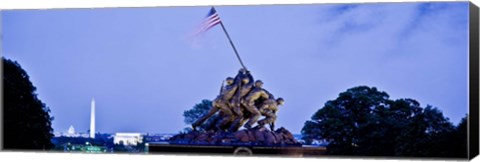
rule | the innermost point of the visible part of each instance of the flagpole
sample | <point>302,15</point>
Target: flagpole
<point>233,46</point>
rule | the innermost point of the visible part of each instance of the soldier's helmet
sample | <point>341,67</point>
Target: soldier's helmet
<point>280,101</point>
<point>229,80</point>
<point>258,83</point>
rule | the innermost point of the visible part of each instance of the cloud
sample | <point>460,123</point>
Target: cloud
<point>410,50</point>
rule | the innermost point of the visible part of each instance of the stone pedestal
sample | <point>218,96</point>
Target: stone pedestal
<point>247,137</point>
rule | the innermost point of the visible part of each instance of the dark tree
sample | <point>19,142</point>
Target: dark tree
<point>426,135</point>
<point>344,122</point>
<point>364,121</point>
<point>197,112</point>
<point>27,123</point>
<point>310,131</point>
<point>120,147</point>
<point>460,139</point>
<point>391,121</point>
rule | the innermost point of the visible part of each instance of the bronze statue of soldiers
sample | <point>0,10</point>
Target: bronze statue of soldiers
<point>221,103</point>
<point>257,93</point>
<point>241,100</point>
<point>268,109</point>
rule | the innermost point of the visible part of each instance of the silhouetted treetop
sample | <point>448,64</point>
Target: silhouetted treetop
<point>27,122</point>
<point>364,121</point>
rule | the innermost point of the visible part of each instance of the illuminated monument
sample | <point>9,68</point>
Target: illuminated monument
<point>240,121</point>
<point>241,102</point>
<point>92,119</point>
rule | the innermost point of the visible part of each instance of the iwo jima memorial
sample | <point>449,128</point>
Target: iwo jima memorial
<point>245,124</point>
<point>244,111</point>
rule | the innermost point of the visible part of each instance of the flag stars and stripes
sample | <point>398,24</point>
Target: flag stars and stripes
<point>210,21</point>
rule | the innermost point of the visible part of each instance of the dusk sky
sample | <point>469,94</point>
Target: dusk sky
<point>143,71</point>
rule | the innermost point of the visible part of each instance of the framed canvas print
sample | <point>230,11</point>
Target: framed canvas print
<point>359,80</point>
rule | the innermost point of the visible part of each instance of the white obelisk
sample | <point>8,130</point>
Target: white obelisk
<point>92,119</point>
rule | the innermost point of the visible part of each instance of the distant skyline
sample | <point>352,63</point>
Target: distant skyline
<point>143,72</point>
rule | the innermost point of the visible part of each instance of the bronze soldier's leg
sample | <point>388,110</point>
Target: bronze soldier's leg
<point>200,121</point>
<point>228,115</point>
<point>238,111</point>
<point>238,117</point>
<point>240,124</point>
<point>215,121</point>
<point>255,114</point>
<point>269,118</point>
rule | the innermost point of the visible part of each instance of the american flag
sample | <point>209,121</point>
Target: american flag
<point>209,21</point>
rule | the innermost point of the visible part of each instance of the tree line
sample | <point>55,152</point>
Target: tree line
<point>363,121</point>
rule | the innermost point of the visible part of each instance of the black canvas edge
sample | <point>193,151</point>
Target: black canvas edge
<point>473,119</point>
<point>1,81</point>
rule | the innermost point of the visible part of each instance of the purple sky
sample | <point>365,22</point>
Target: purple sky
<point>143,73</point>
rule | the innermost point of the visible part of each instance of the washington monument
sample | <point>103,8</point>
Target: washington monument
<point>92,119</point>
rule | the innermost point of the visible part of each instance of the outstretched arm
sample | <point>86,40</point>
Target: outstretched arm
<point>270,96</point>
<point>250,78</point>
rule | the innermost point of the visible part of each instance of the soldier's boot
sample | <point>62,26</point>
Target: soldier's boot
<point>194,127</point>
<point>272,127</point>
<point>235,125</point>
<point>261,122</point>
<point>248,126</point>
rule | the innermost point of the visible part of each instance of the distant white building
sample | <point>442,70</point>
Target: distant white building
<point>71,133</point>
<point>71,130</point>
<point>128,138</point>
